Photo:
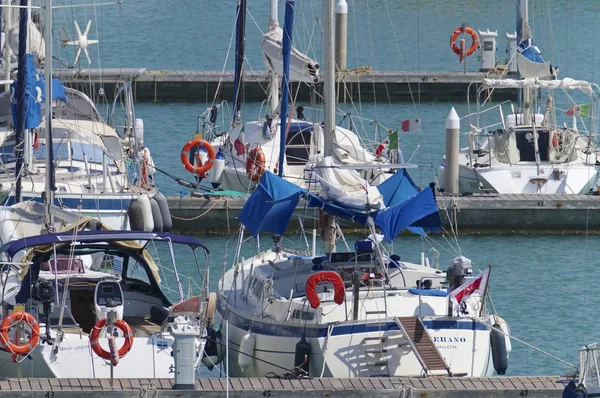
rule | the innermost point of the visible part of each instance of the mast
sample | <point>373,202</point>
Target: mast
<point>329,94</point>
<point>20,98</point>
<point>239,58</point>
<point>274,87</point>
<point>522,29</point>
<point>49,198</point>
<point>286,48</point>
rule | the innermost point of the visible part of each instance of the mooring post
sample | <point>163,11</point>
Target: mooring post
<point>452,149</point>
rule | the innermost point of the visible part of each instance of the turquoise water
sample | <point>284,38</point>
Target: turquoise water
<point>544,286</point>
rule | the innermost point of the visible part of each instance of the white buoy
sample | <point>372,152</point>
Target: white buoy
<point>246,355</point>
<point>146,212</point>
<point>452,149</point>
<point>216,172</point>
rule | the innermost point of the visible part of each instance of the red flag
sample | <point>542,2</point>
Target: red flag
<point>239,144</point>
<point>411,125</point>
<point>476,286</point>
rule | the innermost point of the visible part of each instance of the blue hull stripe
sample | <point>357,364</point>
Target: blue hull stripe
<point>96,203</point>
<point>273,329</point>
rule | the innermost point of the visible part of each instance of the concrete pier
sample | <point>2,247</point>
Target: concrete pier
<point>474,214</point>
<point>191,85</point>
<point>398,387</point>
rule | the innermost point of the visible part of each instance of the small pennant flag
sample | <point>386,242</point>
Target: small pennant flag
<point>411,125</point>
<point>579,110</point>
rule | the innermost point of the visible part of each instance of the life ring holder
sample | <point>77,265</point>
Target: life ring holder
<point>9,321</point>
<point>185,157</point>
<point>474,39</point>
<point>95,334</point>
<point>255,164</point>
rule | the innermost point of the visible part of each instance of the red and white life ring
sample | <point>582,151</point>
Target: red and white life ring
<point>325,276</point>
<point>95,334</point>
<point>185,157</point>
<point>12,319</point>
<point>474,41</point>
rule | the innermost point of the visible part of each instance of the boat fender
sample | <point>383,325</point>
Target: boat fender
<point>164,212</point>
<point>212,349</point>
<point>217,171</point>
<point>210,309</point>
<point>499,353</point>
<point>302,356</point>
<point>146,212</point>
<point>156,216</point>
<point>246,355</point>
<point>136,215</point>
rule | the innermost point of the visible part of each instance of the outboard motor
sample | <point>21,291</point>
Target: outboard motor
<point>45,291</point>
<point>459,269</point>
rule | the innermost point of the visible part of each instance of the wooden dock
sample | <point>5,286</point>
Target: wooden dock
<point>193,85</point>
<point>474,214</point>
<point>398,387</point>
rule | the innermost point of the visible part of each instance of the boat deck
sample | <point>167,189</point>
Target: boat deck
<point>516,386</point>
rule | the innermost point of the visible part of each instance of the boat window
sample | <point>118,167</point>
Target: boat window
<point>256,287</point>
<point>78,150</point>
<point>136,271</point>
<point>298,144</point>
<point>303,315</point>
<point>300,287</point>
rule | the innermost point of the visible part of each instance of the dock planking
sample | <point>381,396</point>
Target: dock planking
<point>538,386</point>
<point>195,85</point>
<point>474,214</point>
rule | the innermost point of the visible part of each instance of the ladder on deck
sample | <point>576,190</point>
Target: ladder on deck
<point>416,335</point>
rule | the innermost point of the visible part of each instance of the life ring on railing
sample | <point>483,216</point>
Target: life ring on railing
<point>9,321</point>
<point>185,157</point>
<point>474,38</point>
<point>325,276</point>
<point>95,334</point>
<point>255,164</point>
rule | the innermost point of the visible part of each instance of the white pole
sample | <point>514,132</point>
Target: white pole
<point>452,148</point>
<point>274,19</point>
<point>329,75</point>
<point>48,105</point>
<point>341,33</point>
<point>314,242</point>
<point>227,354</point>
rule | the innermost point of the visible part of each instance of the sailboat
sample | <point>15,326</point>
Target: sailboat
<point>241,155</point>
<point>529,150</point>
<point>360,313</point>
<point>93,170</point>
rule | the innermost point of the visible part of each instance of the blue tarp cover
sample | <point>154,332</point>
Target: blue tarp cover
<point>271,205</point>
<point>34,96</point>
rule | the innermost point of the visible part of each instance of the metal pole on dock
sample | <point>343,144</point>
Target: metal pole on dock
<point>452,148</point>
<point>341,33</point>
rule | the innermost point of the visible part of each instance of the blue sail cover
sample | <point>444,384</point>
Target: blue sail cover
<point>58,91</point>
<point>271,205</point>
<point>530,50</point>
<point>34,96</point>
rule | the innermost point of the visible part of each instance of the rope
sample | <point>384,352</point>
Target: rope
<point>197,217</point>
<point>524,343</point>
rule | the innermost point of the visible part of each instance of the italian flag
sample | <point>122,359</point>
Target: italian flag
<point>579,110</point>
<point>391,142</point>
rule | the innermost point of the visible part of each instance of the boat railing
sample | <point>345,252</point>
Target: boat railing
<point>420,287</point>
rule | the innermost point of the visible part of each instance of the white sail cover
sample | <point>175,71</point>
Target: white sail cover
<point>36,42</point>
<point>302,68</point>
<point>565,84</point>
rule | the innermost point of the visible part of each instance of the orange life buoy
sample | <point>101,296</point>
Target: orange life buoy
<point>127,333</point>
<point>185,158</point>
<point>9,321</point>
<point>324,276</point>
<point>474,39</point>
<point>255,164</point>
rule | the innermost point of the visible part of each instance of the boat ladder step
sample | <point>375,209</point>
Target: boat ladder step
<point>376,351</point>
<point>417,337</point>
<point>380,339</point>
<point>378,363</point>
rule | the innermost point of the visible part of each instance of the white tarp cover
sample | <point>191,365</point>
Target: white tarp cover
<point>565,84</point>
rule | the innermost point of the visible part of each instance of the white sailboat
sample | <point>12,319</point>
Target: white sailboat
<point>375,315</point>
<point>242,154</point>
<point>529,150</point>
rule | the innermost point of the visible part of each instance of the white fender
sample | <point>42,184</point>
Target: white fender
<point>216,173</point>
<point>147,212</point>
<point>246,355</point>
